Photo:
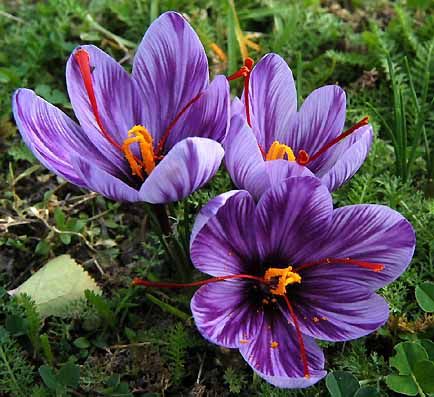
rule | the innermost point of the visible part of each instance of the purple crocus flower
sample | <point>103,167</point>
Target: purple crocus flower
<point>290,269</point>
<point>152,136</point>
<point>266,126</point>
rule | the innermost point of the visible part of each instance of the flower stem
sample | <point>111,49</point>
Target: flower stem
<point>162,218</point>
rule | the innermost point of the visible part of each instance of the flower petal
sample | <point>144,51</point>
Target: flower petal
<point>279,170</point>
<point>282,365</point>
<point>337,310</point>
<point>50,134</point>
<point>208,117</point>
<point>100,181</point>
<point>320,119</point>
<point>371,233</point>
<point>290,216</point>
<point>224,314</point>
<point>119,105</point>
<point>208,211</point>
<point>188,166</point>
<point>273,99</point>
<point>170,68</point>
<point>243,158</point>
<point>350,161</point>
<point>226,243</point>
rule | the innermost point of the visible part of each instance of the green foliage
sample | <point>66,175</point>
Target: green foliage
<point>178,340</point>
<point>67,377</point>
<point>415,370</point>
<point>425,296</point>
<point>343,384</point>
<point>235,380</point>
<point>16,373</point>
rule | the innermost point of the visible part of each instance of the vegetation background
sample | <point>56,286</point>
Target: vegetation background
<point>131,342</point>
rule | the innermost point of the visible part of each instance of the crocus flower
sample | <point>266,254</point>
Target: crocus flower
<point>289,269</point>
<point>152,136</point>
<point>266,126</point>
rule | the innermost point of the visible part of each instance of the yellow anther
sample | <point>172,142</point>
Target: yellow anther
<point>282,277</point>
<point>280,151</point>
<point>139,134</point>
<point>274,344</point>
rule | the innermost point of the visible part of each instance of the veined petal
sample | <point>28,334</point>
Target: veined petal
<point>208,117</point>
<point>224,314</point>
<point>348,162</point>
<point>226,243</point>
<point>273,98</point>
<point>290,217</point>
<point>280,364</point>
<point>171,68</point>
<point>321,118</point>
<point>189,165</point>
<point>243,158</point>
<point>371,233</point>
<point>119,105</point>
<point>50,134</point>
<point>208,211</point>
<point>336,310</point>
<point>100,181</point>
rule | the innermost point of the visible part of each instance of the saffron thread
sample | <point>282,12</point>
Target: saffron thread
<point>376,267</point>
<point>303,156</point>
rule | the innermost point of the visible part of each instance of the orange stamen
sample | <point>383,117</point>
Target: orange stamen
<point>139,134</point>
<point>279,151</point>
<point>375,267</point>
<point>83,59</point>
<point>299,337</point>
<point>244,72</point>
<point>304,158</point>
<point>284,277</point>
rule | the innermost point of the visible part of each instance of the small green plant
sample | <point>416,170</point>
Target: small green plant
<point>415,364</point>
<point>344,384</point>
<point>236,380</point>
<point>66,378</point>
<point>425,296</point>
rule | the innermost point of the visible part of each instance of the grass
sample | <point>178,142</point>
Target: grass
<point>129,343</point>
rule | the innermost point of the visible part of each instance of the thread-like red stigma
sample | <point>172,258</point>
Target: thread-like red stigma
<point>375,267</point>
<point>299,337</point>
<point>244,72</point>
<point>152,284</point>
<point>83,60</point>
<point>163,140</point>
<point>303,157</point>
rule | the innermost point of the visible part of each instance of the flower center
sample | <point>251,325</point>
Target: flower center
<point>140,135</point>
<point>280,151</point>
<point>278,279</point>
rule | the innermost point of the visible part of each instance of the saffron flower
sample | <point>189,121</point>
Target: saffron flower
<point>152,136</point>
<point>266,126</point>
<point>288,270</point>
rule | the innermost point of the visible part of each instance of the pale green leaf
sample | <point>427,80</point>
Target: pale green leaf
<point>56,285</point>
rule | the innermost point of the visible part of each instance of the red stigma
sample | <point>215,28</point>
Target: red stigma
<point>244,72</point>
<point>163,140</point>
<point>375,267</point>
<point>83,60</point>
<point>303,157</point>
<point>299,337</point>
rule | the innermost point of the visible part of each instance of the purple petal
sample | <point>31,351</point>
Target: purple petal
<point>50,134</point>
<point>349,161</point>
<point>243,158</point>
<point>189,165</point>
<point>103,182</point>
<point>208,211</point>
<point>273,99</point>
<point>170,68</point>
<point>119,105</point>
<point>226,243</point>
<point>337,310</point>
<point>279,170</point>
<point>290,216</point>
<point>371,233</point>
<point>320,119</point>
<point>208,117</point>
<point>237,108</point>
<point>224,314</point>
<point>282,365</point>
